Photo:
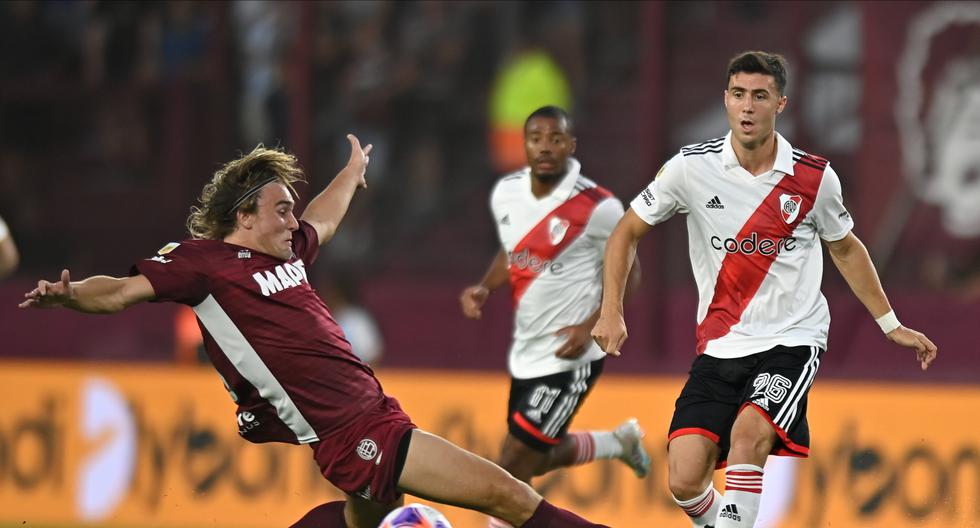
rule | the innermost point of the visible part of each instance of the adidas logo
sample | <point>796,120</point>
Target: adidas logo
<point>714,203</point>
<point>762,402</point>
<point>505,220</point>
<point>731,512</point>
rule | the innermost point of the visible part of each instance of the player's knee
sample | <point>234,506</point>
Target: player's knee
<point>754,444</point>
<point>510,498</point>
<point>685,485</point>
<point>519,460</point>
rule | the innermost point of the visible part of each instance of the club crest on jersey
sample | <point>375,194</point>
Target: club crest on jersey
<point>367,449</point>
<point>789,206</point>
<point>557,227</point>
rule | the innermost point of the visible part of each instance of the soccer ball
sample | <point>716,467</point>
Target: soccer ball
<point>415,516</point>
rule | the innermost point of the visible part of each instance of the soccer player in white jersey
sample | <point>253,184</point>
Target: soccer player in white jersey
<point>553,224</point>
<point>756,210</point>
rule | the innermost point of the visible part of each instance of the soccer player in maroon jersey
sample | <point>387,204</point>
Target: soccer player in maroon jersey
<point>757,211</point>
<point>281,355</point>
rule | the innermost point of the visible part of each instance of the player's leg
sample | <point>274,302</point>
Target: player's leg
<point>329,515</point>
<point>771,420</point>
<point>752,439</point>
<point>540,411</point>
<point>437,470</point>
<point>691,460</point>
<point>354,512</point>
<point>368,514</point>
<point>703,415</point>
<point>521,460</point>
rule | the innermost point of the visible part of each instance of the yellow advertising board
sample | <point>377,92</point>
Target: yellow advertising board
<point>111,445</point>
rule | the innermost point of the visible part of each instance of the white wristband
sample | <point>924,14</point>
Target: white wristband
<point>3,230</point>
<point>888,322</point>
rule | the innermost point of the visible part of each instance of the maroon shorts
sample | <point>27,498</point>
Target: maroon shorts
<point>362,458</point>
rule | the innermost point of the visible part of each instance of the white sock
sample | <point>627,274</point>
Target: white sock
<point>743,489</point>
<point>596,445</point>
<point>703,509</point>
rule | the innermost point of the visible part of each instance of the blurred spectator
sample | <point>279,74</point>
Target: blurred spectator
<point>183,40</point>
<point>9,258</point>
<point>262,30</point>
<point>342,296</point>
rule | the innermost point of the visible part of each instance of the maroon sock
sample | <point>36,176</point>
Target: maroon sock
<point>549,516</point>
<point>329,515</point>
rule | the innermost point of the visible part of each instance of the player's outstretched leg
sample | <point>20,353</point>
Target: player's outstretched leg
<point>437,470</point>
<point>354,512</point>
<point>329,515</point>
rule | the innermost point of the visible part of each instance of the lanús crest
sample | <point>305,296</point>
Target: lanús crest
<point>415,516</point>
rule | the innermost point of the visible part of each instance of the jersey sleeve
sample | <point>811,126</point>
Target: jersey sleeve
<point>496,206</point>
<point>604,219</point>
<point>664,196</point>
<point>178,273</point>
<point>831,218</point>
<point>306,243</point>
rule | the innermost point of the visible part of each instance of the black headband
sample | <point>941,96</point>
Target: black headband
<point>251,192</point>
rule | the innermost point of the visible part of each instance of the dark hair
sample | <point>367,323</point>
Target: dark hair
<point>760,62</point>
<point>234,188</point>
<point>552,112</point>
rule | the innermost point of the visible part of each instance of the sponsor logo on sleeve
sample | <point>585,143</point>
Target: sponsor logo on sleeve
<point>168,248</point>
<point>159,257</point>
<point>648,197</point>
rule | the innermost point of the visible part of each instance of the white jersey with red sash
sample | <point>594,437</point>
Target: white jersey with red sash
<point>754,243</point>
<point>555,246</point>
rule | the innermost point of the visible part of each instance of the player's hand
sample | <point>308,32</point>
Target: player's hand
<point>609,333</point>
<point>359,159</point>
<point>472,300</point>
<point>925,350</point>
<point>50,294</point>
<point>578,336</point>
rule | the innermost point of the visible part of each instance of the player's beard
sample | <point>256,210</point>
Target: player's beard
<point>549,178</point>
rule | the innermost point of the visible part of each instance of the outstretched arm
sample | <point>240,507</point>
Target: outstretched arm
<point>610,330</point>
<point>579,335</point>
<point>473,297</point>
<point>852,259</point>
<point>99,294</point>
<point>326,211</point>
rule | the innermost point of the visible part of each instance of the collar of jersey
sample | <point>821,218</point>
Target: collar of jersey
<point>567,185</point>
<point>784,154</point>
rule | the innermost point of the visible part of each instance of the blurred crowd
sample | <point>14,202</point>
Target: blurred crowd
<point>115,113</point>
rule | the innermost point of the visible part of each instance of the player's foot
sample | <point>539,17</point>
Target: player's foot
<point>630,435</point>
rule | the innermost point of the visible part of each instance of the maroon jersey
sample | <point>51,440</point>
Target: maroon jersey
<point>283,358</point>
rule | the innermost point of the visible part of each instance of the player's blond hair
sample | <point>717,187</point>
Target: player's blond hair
<point>235,187</point>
